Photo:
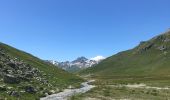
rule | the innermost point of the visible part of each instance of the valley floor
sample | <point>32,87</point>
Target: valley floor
<point>148,88</point>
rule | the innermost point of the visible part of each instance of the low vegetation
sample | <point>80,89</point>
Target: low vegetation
<point>148,63</point>
<point>25,77</point>
<point>114,89</point>
<point>150,58</point>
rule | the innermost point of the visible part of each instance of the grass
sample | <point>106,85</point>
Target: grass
<point>58,78</point>
<point>143,60</point>
<point>105,89</point>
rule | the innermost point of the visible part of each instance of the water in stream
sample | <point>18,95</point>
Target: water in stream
<point>70,92</point>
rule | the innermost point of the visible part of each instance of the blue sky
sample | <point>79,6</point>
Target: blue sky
<point>66,29</point>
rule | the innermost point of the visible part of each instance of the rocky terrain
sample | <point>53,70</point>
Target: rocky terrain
<point>16,71</point>
<point>20,78</point>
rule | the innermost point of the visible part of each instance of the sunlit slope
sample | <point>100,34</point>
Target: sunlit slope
<point>150,57</point>
<point>30,77</point>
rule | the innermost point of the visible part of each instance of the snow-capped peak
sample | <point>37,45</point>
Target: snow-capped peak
<point>98,58</point>
<point>78,64</point>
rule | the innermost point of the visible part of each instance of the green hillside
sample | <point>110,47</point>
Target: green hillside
<point>149,58</point>
<point>27,77</point>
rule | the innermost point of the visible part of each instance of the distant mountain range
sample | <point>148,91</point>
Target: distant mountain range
<point>77,64</point>
<point>149,58</point>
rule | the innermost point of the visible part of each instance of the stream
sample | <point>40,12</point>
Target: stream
<point>70,92</point>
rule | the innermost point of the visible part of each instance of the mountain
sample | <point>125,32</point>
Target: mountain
<point>149,58</point>
<point>79,64</point>
<point>25,77</point>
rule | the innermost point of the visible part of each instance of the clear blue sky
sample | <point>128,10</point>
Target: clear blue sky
<point>65,29</point>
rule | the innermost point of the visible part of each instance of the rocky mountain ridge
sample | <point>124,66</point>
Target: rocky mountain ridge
<point>78,64</point>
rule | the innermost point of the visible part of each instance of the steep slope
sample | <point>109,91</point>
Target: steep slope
<point>149,58</point>
<point>28,78</point>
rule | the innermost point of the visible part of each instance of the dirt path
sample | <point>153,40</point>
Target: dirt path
<point>141,86</point>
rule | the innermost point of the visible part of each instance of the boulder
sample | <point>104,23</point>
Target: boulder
<point>14,93</point>
<point>29,74</point>
<point>11,79</point>
<point>13,65</point>
<point>2,53</point>
<point>30,89</point>
<point>52,91</point>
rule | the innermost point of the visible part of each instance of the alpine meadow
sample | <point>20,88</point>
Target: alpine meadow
<point>84,50</point>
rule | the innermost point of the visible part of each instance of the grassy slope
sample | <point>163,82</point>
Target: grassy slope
<point>136,62</point>
<point>55,76</point>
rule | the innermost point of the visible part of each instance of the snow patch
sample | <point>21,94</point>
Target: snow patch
<point>98,58</point>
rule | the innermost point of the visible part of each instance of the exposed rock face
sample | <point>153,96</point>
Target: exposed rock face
<point>143,47</point>
<point>11,79</point>
<point>13,65</point>
<point>80,60</point>
<point>14,70</point>
<point>160,43</point>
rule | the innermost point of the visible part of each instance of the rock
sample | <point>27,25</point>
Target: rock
<point>146,47</point>
<point>28,66</point>
<point>45,81</point>
<point>1,65</point>
<point>167,40</point>
<point>52,91</point>
<point>2,53</point>
<point>162,48</point>
<point>30,89</point>
<point>14,93</point>
<point>160,38</point>
<point>9,88</point>
<point>46,94</point>
<point>29,74</point>
<point>10,71</point>
<point>70,87</point>
<point>13,65</point>
<point>22,91</point>
<point>3,88</point>
<point>23,78</point>
<point>11,79</point>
